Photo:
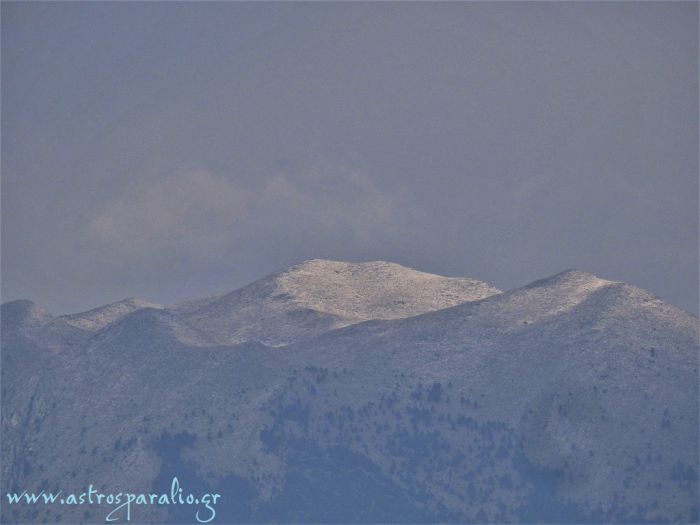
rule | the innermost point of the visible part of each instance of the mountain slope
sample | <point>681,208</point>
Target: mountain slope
<point>592,383</point>
<point>25,323</point>
<point>98,318</point>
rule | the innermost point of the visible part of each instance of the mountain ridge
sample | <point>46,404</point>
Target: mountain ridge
<point>303,295</point>
<point>303,300</point>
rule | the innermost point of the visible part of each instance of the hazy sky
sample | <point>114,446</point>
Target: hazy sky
<point>176,150</point>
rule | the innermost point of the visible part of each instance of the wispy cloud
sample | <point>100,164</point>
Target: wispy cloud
<point>200,210</point>
<point>188,205</point>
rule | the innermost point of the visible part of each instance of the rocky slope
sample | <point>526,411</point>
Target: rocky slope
<point>573,399</point>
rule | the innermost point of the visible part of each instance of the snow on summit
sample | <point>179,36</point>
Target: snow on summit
<point>376,290</point>
<point>319,295</point>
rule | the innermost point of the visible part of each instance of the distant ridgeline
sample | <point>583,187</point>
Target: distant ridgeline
<point>340,392</point>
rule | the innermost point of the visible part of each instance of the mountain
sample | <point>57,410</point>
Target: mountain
<point>401,397</point>
<point>306,300</point>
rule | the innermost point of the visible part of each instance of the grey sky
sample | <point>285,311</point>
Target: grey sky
<point>175,150</point>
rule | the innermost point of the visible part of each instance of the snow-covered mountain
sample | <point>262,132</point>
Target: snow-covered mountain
<point>400,397</point>
<point>306,300</point>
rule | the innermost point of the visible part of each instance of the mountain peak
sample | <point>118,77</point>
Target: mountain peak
<point>23,310</point>
<point>100,317</point>
<point>571,277</point>
<point>318,295</point>
<point>374,289</point>
<point>329,265</point>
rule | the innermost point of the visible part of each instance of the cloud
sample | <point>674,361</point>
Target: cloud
<point>331,199</point>
<point>199,211</point>
<point>173,209</point>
